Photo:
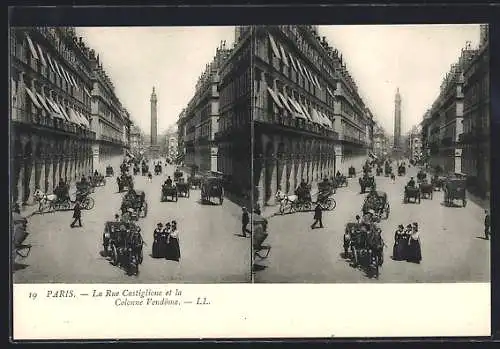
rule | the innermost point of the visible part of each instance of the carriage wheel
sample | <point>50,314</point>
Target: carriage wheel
<point>307,206</point>
<point>140,256</point>
<point>66,205</point>
<point>332,204</point>
<point>114,255</point>
<point>89,203</point>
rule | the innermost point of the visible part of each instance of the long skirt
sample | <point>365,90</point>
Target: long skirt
<point>399,249</point>
<point>173,251</point>
<point>414,252</point>
<point>156,249</point>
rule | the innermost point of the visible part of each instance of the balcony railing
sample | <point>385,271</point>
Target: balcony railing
<point>43,121</point>
<point>285,120</point>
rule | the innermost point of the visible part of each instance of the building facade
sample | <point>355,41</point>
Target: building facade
<point>309,120</point>
<point>414,144</point>
<point>443,125</point>
<point>198,123</point>
<point>475,140</point>
<point>136,140</point>
<point>381,145</point>
<point>51,117</point>
<point>110,121</point>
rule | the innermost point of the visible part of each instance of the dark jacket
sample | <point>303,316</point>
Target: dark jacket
<point>318,212</point>
<point>77,211</point>
<point>487,220</point>
<point>245,218</point>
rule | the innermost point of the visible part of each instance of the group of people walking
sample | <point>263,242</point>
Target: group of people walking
<point>166,242</point>
<point>407,244</point>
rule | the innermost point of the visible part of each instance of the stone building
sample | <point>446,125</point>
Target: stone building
<point>136,140</point>
<point>53,126</point>
<point>475,140</point>
<point>198,122</point>
<point>381,146</point>
<point>442,127</point>
<point>309,119</point>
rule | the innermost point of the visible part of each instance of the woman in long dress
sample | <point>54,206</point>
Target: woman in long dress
<point>414,248</point>
<point>399,244</point>
<point>173,248</point>
<point>164,237</point>
<point>156,249</point>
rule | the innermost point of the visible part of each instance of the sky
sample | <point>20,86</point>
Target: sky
<point>380,59</point>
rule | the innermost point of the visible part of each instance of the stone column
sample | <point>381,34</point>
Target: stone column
<point>48,185</point>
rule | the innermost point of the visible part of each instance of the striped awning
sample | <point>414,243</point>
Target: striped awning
<point>275,98</point>
<point>299,113</point>
<point>84,120</point>
<point>33,98</point>
<point>285,102</point>
<point>317,119</point>
<point>44,103</point>
<point>274,46</point>
<point>32,47</point>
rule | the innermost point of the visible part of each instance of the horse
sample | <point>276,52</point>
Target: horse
<point>285,199</point>
<point>44,199</point>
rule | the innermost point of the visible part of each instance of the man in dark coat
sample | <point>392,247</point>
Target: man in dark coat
<point>245,219</point>
<point>77,215</point>
<point>318,215</point>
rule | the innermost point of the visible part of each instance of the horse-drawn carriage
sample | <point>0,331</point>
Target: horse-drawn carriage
<point>135,201</point>
<point>123,245</point>
<point>363,245</point>
<point>454,189</point>
<point>124,167</point>
<point>377,202</point>
<point>144,168</point>
<point>379,171</point>
<point>351,172</point>
<point>182,187</point>
<point>340,181</point>
<point>169,190</point>
<point>124,181</point>
<point>19,235</point>
<point>158,169</point>
<point>366,182</point>
<point>97,180</point>
<point>401,170</point>
<point>109,171</point>
<point>438,182</point>
<point>426,189</point>
<point>387,169</point>
<point>211,187</point>
<point>412,192</point>
<point>178,174</point>
<point>421,176</point>
<point>302,200</point>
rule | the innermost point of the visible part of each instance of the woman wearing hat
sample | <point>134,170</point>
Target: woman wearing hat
<point>156,250</point>
<point>173,248</point>
<point>164,236</point>
<point>400,243</point>
<point>414,248</point>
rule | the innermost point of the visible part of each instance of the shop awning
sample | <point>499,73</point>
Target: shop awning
<point>74,82</point>
<point>285,102</point>
<point>317,119</point>
<point>305,111</point>
<point>42,58</point>
<point>33,98</point>
<point>51,64</point>
<point>330,91</point>
<point>87,92</point>
<point>274,46</point>
<point>293,62</point>
<point>299,113</point>
<point>63,112</point>
<point>56,111</point>
<point>284,56</point>
<point>327,120</point>
<point>275,97</point>
<point>317,82</point>
<point>43,102</point>
<point>32,47</point>
<point>85,120</point>
<point>75,118</point>
<point>58,69</point>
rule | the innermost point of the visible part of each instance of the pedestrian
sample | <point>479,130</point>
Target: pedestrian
<point>77,215</point>
<point>173,252</point>
<point>487,225</point>
<point>318,215</point>
<point>414,246</point>
<point>245,219</point>
<point>400,243</point>
<point>117,218</point>
<point>156,249</point>
<point>150,177</point>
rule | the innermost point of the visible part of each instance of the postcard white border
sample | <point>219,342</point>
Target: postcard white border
<point>257,310</point>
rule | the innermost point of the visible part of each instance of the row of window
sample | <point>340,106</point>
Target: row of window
<point>109,133</point>
<point>234,118</point>
<point>41,62</point>
<point>236,88</point>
